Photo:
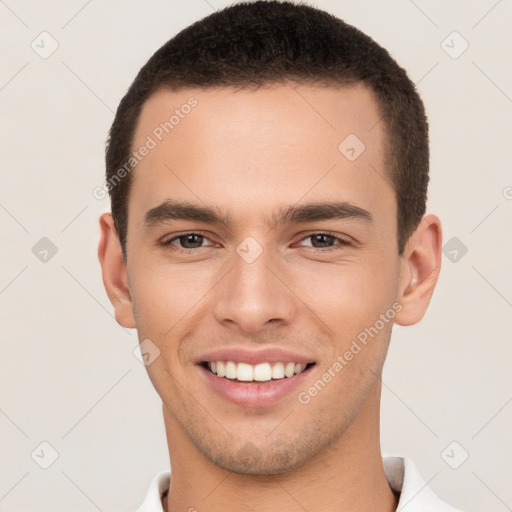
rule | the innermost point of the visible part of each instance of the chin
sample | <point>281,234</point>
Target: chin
<point>271,458</point>
<point>265,464</point>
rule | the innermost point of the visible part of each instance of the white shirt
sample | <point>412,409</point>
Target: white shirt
<point>402,475</point>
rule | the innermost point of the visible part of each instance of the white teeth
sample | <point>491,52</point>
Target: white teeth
<point>261,372</point>
<point>230,370</point>
<point>244,372</point>
<point>299,368</point>
<point>221,369</point>
<point>289,369</point>
<point>278,371</point>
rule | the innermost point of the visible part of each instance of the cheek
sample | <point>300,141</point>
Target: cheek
<point>166,300</point>
<point>164,294</point>
<point>348,297</point>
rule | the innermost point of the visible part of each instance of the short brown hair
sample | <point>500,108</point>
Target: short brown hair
<point>251,44</point>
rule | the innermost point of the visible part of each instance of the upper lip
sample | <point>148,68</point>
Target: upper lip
<point>251,356</point>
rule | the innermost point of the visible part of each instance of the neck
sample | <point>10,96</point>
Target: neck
<point>348,475</point>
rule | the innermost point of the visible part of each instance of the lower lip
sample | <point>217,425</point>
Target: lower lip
<point>254,394</point>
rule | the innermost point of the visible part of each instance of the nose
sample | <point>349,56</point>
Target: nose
<point>253,295</point>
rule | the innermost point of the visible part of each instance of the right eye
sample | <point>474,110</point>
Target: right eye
<point>187,242</point>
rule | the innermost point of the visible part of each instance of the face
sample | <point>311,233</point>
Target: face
<point>259,253</point>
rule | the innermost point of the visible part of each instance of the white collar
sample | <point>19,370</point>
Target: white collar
<point>415,495</point>
<point>402,475</point>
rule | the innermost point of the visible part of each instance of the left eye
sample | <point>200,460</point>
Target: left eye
<point>323,240</point>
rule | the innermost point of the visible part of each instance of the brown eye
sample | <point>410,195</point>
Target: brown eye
<point>191,241</point>
<point>324,241</point>
<point>186,241</point>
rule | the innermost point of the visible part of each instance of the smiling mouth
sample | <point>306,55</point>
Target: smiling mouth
<point>262,372</point>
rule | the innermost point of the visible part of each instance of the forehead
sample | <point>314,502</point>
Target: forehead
<point>245,149</point>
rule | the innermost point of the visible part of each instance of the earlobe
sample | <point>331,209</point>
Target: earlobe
<point>421,264</point>
<point>115,276</point>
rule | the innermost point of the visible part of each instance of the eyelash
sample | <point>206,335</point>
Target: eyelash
<point>342,242</point>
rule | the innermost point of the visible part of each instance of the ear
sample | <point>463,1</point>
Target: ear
<point>115,275</point>
<point>421,264</point>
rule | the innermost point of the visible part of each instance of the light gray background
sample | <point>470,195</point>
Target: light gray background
<point>68,374</point>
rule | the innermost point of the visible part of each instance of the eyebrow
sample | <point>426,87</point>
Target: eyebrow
<point>172,209</point>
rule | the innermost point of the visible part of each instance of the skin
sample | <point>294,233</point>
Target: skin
<point>249,153</point>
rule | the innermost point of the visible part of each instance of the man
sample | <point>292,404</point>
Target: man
<point>268,172</point>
